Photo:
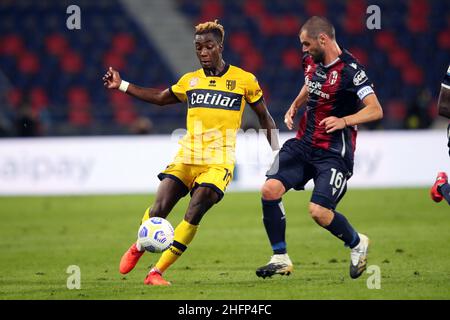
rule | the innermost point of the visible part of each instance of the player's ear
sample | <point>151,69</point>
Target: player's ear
<point>321,38</point>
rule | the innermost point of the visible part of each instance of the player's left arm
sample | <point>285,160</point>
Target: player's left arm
<point>444,96</point>
<point>371,111</point>
<point>267,123</point>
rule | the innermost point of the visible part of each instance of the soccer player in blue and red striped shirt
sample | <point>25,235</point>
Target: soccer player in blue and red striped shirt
<point>441,188</point>
<point>338,96</point>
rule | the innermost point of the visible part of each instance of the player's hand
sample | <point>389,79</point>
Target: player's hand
<point>332,124</point>
<point>111,79</point>
<point>289,117</point>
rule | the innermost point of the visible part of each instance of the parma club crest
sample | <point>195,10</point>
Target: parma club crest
<point>231,84</point>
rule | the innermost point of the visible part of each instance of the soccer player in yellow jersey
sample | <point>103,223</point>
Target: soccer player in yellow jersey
<point>215,96</point>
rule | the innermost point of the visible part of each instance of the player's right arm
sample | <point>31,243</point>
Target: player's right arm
<point>296,104</point>
<point>112,80</point>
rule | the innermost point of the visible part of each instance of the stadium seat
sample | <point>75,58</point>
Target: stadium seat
<point>292,59</point>
<point>38,99</point>
<point>443,39</point>
<point>56,44</point>
<point>80,117</point>
<point>14,96</point>
<point>28,63</point>
<point>315,8</point>
<point>12,45</point>
<point>71,62</point>
<point>112,59</point>
<point>412,75</point>
<point>210,11</point>
<point>123,43</point>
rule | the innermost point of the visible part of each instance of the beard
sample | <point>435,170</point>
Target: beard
<point>319,56</point>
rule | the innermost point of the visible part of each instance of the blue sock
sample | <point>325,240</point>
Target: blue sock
<point>341,228</point>
<point>275,224</point>
<point>445,191</point>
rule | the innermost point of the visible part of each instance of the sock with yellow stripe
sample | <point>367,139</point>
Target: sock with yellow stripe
<point>146,215</point>
<point>183,235</point>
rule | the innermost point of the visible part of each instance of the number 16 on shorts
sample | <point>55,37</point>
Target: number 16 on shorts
<point>338,183</point>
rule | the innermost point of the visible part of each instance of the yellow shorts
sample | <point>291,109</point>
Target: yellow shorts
<point>192,176</point>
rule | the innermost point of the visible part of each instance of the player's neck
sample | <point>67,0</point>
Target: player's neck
<point>332,54</point>
<point>216,70</point>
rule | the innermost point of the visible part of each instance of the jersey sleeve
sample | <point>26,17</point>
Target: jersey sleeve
<point>358,81</point>
<point>253,92</point>
<point>446,80</point>
<point>306,61</point>
<point>179,89</point>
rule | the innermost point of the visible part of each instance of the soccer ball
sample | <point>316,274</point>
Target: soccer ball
<point>155,234</point>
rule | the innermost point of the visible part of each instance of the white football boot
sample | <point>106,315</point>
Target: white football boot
<point>358,257</point>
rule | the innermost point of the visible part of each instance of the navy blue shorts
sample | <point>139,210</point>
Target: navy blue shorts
<point>296,164</point>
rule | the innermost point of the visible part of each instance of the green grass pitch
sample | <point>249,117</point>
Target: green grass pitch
<point>41,236</point>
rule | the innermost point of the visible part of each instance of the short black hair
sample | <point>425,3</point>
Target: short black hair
<point>317,25</point>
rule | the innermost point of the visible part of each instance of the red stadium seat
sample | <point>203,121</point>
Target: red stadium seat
<point>315,8</point>
<point>79,106</point>
<point>419,8</point>
<point>268,25</point>
<point>112,59</point>
<point>38,99</point>
<point>14,97</point>
<point>124,110</point>
<point>78,97</point>
<point>292,59</point>
<point>80,116</point>
<point>28,63</point>
<point>71,62</point>
<point>11,45</point>
<point>355,24</point>
<point>240,42</point>
<point>361,55</point>
<point>417,20</point>
<point>119,99</point>
<point>289,25</point>
<point>396,110</point>
<point>252,61</point>
<point>433,109</point>
<point>355,19</point>
<point>56,44</point>
<point>356,7</point>
<point>123,43</point>
<point>125,116</point>
<point>417,24</point>
<point>385,40</point>
<point>444,39</point>
<point>211,10</point>
<point>400,58</point>
<point>254,8</point>
<point>412,75</point>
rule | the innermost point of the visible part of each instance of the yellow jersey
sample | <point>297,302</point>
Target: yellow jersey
<point>215,108</point>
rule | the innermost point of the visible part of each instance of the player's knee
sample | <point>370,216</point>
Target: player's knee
<point>321,215</point>
<point>272,190</point>
<point>160,208</point>
<point>202,200</point>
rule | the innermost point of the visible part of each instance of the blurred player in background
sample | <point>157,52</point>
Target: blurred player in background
<point>441,189</point>
<point>216,96</point>
<point>323,150</point>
